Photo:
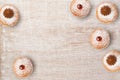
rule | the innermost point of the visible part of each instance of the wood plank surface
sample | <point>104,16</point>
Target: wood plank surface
<point>56,41</point>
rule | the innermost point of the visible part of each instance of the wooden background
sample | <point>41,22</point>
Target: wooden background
<point>56,41</point>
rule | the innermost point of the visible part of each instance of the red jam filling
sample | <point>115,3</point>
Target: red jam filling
<point>22,67</point>
<point>111,60</point>
<point>8,13</point>
<point>99,38</point>
<point>79,6</point>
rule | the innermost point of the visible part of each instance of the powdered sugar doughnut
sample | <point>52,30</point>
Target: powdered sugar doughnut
<point>107,12</point>
<point>111,61</point>
<point>80,8</point>
<point>9,15</point>
<point>100,38</point>
<point>23,67</point>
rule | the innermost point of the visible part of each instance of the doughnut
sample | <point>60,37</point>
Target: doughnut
<point>111,61</point>
<point>9,15</point>
<point>100,38</point>
<point>80,8</point>
<point>107,12</point>
<point>22,67</point>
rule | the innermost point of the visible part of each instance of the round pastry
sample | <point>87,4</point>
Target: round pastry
<point>9,15</point>
<point>107,12</point>
<point>111,61</point>
<point>100,38</point>
<point>80,8</point>
<point>23,67</point>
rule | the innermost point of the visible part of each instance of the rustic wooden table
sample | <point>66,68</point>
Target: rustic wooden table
<point>56,41</point>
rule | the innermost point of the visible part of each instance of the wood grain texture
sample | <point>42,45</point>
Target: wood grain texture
<point>56,41</point>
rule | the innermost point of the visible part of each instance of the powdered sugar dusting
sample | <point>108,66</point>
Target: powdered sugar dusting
<point>84,11</point>
<point>12,20</point>
<point>105,38</point>
<point>112,16</point>
<point>117,64</point>
<point>28,66</point>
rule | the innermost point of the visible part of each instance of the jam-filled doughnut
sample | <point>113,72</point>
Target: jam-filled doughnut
<point>9,15</point>
<point>111,61</point>
<point>22,67</point>
<point>100,38</point>
<point>107,12</point>
<point>80,8</point>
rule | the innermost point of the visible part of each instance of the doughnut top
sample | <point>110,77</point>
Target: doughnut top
<point>23,67</point>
